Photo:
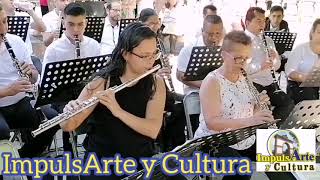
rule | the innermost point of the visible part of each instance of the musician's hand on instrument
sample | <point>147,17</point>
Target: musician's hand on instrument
<point>27,68</point>
<point>24,6</point>
<point>108,99</point>
<point>262,116</point>
<point>164,72</point>
<point>267,64</point>
<point>273,54</point>
<point>264,98</point>
<point>72,105</point>
<point>20,85</point>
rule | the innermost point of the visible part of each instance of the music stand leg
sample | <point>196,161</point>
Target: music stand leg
<point>73,144</point>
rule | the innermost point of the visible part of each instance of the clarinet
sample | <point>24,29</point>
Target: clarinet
<point>256,95</point>
<point>16,63</point>
<point>77,44</point>
<point>165,63</point>
<point>87,104</point>
<point>273,74</point>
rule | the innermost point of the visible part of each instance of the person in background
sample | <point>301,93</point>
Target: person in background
<point>300,62</point>
<point>111,27</point>
<point>53,21</point>
<point>275,20</point>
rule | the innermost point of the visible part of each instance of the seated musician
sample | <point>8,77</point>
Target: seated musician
<point>173,134</point>
<point>126,122</point>
<point>52,20</point>
<point>212,35</point>
<point>64,48</point>
<point>300,62</point>
<point>111,27</point>
<point>264,59</point>
<point>227,102</point>
<point>16,111</point>
<point>36,22</point>
<point>275,20</point>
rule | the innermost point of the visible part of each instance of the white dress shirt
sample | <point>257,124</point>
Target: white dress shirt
<point>301,59</point>
<point>52,21</point>
<point>183,60</point>
<point>109,38</point>
<point>62,49</point>
<point>8,73</point>
<point>259,56</point>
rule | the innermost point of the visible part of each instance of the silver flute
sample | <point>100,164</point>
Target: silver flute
<point>256,95</point>
<point>86,104</point>
<point>16,63</point>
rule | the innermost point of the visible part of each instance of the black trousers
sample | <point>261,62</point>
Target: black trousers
<point>251,154</point>
<point>282,102</point>
<point>23,116</point>
<point>299,94</point>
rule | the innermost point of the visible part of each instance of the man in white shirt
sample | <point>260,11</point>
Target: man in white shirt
<point>36,22</point>
<point>264,59</point>
<point>212,35</point>
<point>16,111</point>
<point>110,33</point>
<point>52,20</point>
<point>64,48</point>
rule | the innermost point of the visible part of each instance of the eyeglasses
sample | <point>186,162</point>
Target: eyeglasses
<point>155,55</point>
<point>239,59</point>
<point>116,10</point>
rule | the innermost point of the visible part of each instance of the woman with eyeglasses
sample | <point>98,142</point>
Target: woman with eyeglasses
<point>128,122</point>
<point>226,99</point>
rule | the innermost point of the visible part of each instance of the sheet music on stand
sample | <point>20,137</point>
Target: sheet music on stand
<point>19,25</point>
<point>283,40</point>
<point>94,28</point>
<point>203,60</point>
<point>124,23</point>
<point>313,77</point>
<point>65,76</point>
<point>203,144</point>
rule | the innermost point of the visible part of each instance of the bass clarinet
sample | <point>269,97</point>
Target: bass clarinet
<point>86,104</point>
<point>16,63</point>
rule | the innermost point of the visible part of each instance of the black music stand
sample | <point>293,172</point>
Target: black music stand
<point>283,40</point>
<point>124,23</point>
<point>205,144</point>
<point>313,77</point>
<point>203,60</point>
<point>66,77</point>
<point>19,25</point>
<point>93,30</point>
<point>305,115</point>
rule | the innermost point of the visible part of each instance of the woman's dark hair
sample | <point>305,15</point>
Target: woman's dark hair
<point>145,14</point>
<point>314,27</point>
<point>129,38</point>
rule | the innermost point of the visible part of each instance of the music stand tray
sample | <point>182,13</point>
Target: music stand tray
<point>202,144</point>
<point>203,60</point>
<point>306,114</point>
<point>60,77</point>
<point>93,30</point>
<point>124,23</point>
<point>283,40</point>
<point>19,25</point>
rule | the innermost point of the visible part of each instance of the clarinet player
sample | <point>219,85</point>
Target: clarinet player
<point>265,59</point>
<point>228,102</point>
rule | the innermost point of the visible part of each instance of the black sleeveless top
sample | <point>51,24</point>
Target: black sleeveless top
<point>108,135</point>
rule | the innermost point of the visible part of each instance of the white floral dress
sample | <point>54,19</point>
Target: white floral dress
<point>237,102</point>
